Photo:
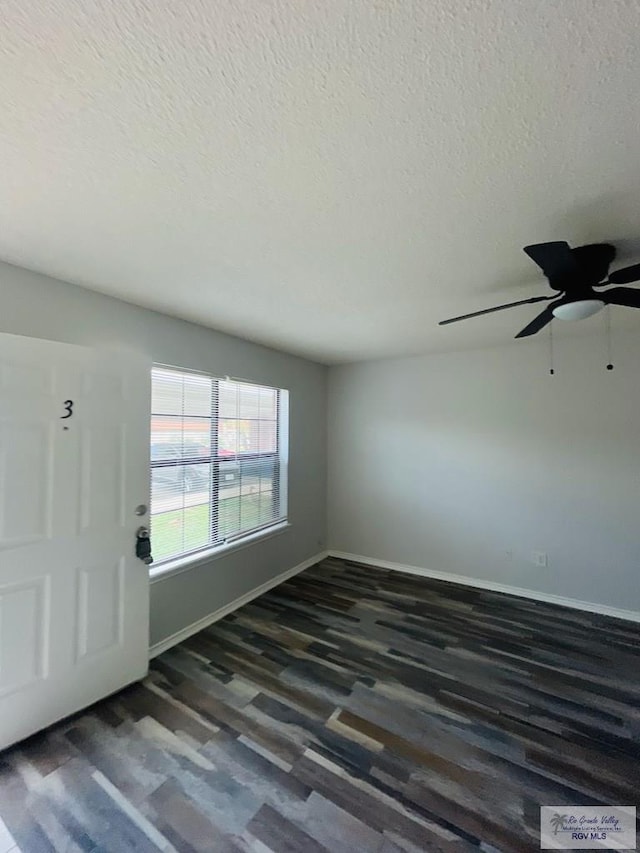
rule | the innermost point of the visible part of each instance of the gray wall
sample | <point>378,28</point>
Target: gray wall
<point>450,462</point>
<point>39,306</point>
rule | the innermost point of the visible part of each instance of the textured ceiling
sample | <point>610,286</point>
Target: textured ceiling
<point>331,178</point>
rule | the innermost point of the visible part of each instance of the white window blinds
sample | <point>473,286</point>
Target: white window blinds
<point>218,470</point>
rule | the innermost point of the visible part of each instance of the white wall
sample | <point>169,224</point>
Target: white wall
<point>39,306</point>
<point>448,462</point>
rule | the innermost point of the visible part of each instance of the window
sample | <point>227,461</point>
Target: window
<point>218,470</point>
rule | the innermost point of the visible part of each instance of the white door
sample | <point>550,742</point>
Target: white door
<point>74,466</point>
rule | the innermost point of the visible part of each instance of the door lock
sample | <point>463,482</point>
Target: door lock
<point>143,546</point>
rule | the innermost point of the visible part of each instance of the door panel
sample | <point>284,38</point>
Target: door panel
<point>100,627</point>
<point>26,458</point>
<point>23,616</point>
<point>102,485</point>
<point>74,464</point>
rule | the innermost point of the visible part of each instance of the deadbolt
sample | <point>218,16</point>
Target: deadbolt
<point>141,509</point>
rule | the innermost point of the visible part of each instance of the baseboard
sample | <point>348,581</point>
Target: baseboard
<point>576,604</point>
<point>183,634</point>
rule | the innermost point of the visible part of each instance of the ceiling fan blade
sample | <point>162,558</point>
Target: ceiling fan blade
<point>542,320</point>
<point>624,276</point>
<point>554,259</point>
<point>621,296</point>
<point>497,308</point>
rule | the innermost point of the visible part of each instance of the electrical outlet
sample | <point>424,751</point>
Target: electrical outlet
<point>508,554</point>
<point>539,558</point>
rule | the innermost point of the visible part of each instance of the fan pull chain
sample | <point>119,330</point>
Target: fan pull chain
<point>551,368</point>
<point>607,326</point>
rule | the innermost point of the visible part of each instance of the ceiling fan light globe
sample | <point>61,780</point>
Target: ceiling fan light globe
<point>578,310</point>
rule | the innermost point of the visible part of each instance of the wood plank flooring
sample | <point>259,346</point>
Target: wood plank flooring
<point>350,709</point>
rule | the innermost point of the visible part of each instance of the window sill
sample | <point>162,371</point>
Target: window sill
<point>183,564</point>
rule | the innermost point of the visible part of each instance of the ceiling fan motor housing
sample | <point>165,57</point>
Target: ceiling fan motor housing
<point>589,266</point>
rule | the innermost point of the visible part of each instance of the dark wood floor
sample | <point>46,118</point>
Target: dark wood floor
<point>350,709</point>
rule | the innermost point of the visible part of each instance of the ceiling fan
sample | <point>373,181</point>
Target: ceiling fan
<point>574,273</point>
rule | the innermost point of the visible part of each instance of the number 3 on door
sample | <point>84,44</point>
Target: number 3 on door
<point>68,407</point>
